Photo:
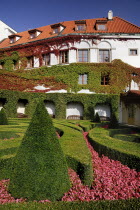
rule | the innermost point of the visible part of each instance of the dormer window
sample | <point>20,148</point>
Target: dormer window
<point>80,25</point>
<point>101,25</point>
<point>57,28</point>
<point>13,38</point>
<point>34,33</point>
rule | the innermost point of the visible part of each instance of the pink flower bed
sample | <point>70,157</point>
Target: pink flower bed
<point>6,197</point>
<point>112,180</point>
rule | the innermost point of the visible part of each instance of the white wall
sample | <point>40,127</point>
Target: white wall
<point>50,107</point>
<point>118,50</point>
<point>5,31</point>
<point>53,59</point>
<point>1,105</point>
<point>134,86</point>
<point>103,110</point>
<point>72,56</point>
<point>121,51</point>
<point>21,108</point>
<point>74,108</point>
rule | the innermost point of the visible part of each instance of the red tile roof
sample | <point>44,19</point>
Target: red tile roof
<point>117,25</point>
<point>134,92</point>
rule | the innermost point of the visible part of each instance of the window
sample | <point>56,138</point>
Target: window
<point>16,65</point>
<point>30,62</point>
<point>80,27</point>
<point>63,57</point>
<point>82,79</point>
<point>34,33</point>
<point>133,52</point>
<point>13,38</point>
<point>105,80</point>
<point>101,27</point>
<point>104,56</point>
<point>46,59</point>
<point>56,30</point>
<point>82,55</point>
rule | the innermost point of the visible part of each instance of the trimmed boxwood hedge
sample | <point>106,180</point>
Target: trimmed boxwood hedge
<point>131,204</point>
<point>75,149</point>
<point>39,167</point>
<point>132,138</point>
<point>3,118</point>
<point>114,148</point>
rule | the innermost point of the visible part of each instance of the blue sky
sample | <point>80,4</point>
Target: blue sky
<point>28,14</point>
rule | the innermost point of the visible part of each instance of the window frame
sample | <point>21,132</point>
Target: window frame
<point>133,50</point>
<point>83,79</point>
<point>109,56</point>
<point>33,35</point>
<point>105,79</point>
<point>82,27</point>
<point>64,56</point>
<point>83,57</point>
<point>12,40</point>
<point>56,30</point>
<point>102,28</point>
<point>46,61</point>
<point>30,62</point>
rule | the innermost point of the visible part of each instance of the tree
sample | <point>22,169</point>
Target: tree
<point>113,122</point>
<point>97,118</point>
<point>3,118</point>
<point>40,169</point>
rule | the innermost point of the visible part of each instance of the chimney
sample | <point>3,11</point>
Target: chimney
<point>110,15</point>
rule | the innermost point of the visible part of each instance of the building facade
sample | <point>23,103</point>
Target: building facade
<point>5,31</point>
<point>94,41</point>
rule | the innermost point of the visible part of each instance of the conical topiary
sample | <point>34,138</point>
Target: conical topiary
<point>113,122</point>
<point>40,169</point>
<point>97,118</point>
<point>3,118</point>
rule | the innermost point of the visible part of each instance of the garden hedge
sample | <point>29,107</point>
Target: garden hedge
<point>131,204</point>
<point>3,118</point>
<point>60,100</point>
<point>115,149</point>
<point>39,167</point>
<point>75,149</point>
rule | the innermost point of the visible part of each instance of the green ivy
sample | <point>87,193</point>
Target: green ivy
<point>89,101</point>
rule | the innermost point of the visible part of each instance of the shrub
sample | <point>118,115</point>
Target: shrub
<point>39,169</point>
<point>126,153</point>
<point>113,122</point>
<point>3,118</point>
<point>97,118</point>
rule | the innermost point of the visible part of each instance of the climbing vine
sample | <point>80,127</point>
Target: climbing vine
<point>66,77</point>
